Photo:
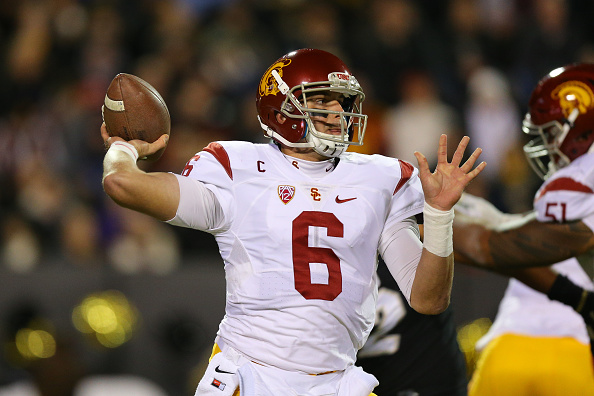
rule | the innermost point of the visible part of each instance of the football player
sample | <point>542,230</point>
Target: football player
<point>298,223</point>
<point>412,354</point>
<point>538,346</point>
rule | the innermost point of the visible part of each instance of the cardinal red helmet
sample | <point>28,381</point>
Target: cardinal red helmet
<point>284,89</point>
<point>561,116</point>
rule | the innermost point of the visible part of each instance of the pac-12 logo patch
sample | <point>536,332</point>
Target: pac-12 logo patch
<point>286,193</point>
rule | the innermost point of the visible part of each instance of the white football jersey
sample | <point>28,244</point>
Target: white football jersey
<point>300,253</point>
<point>568,195</point>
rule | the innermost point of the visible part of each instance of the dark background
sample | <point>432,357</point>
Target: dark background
<point>430,67</point>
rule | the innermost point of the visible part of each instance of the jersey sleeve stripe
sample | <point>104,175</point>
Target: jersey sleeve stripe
<point>564,184</point>
<point>219,152</point>
<point>406,171</point>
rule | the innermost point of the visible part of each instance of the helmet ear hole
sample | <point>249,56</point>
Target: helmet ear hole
<point>586,135</point>
<point>279,117</point>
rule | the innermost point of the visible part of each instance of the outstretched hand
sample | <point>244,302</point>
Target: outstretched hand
<point>444,187</point>
<point>144,149</point>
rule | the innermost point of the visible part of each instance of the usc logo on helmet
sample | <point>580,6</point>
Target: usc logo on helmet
<point>268,84</point>
<point>572,95</point>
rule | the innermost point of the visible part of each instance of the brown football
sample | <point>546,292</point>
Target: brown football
<point>133,109</point>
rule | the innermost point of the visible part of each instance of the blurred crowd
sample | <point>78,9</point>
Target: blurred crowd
<point>428,67</point>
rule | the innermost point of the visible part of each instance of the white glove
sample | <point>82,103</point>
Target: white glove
<point>471,209</point>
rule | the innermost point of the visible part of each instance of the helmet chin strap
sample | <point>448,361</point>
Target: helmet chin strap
<point>270,133</point>
<point>568,125</point>
<point>566,128</point>
<point>282,85</point>
<point>325,147</point>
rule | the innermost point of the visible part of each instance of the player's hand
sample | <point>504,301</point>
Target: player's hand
<point>444,187</point>
<point>144,149</point>
<point>471,209</point>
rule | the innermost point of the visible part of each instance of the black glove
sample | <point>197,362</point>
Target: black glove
<point>580,299</point>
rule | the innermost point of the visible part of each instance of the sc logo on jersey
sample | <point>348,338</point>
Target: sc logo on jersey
<point>315,194</point>
<point>286,193</point>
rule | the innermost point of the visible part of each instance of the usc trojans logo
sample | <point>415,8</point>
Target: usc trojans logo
<point>268,84</point>
<point>573,95</point>
<point>315,194</point>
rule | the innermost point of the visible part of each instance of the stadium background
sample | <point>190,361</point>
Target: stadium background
<point>143,298</point>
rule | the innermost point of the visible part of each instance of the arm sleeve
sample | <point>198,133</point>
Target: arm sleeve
<point>401,247</point>
<point>198,207</point>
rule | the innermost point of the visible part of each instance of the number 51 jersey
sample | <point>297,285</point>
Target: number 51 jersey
<point>300,253</point>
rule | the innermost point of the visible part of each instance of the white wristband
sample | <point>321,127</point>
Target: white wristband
<point>124,147</point>
<point>438,232</point>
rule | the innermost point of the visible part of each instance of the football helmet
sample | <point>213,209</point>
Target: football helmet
<point>561,116</point>
<point>285,88</point>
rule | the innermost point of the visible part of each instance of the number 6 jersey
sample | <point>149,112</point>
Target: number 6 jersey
<point>300,252</point>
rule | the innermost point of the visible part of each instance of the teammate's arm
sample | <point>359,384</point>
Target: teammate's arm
<point>525,253</point>
<point>155,194</point>
<point>530,245</point>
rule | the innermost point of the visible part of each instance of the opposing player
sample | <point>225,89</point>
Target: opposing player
<point>536,345</point>
<point>299,222</point>
<point>412,354</point>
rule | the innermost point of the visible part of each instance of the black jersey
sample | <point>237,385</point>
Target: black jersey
<point>410,353</point>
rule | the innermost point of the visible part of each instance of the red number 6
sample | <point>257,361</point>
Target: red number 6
<point>303,255</point>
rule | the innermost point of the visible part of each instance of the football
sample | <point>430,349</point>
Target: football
<point>133,109</point>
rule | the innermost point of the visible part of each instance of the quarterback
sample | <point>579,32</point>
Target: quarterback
<point>299,223</point>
